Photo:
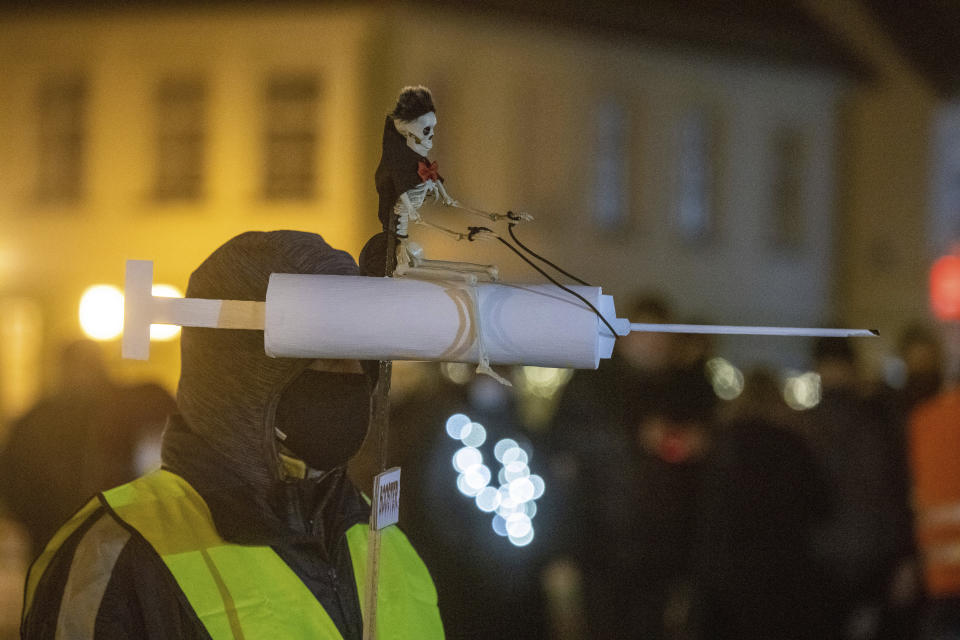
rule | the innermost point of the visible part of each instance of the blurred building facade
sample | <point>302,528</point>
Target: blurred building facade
<point>747,189</point>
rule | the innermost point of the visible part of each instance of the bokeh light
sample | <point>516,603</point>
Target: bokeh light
<point>516,470</point>
<point>514,454</point>
<point>538,486</point>
<point>802,392</point>
<point>519,525</point>
<point>474,435</point>
<point>522,541</point>
<point>508,506</point>
<point>521,489</point>
<point>456,425</point>
<point>164,332</point>
<point>726,379</point>
<point>499,526</point>
<point>465,458</point>
<point>457,372</point>
<point>544,382</point>
<point>477,477</point>
<point>464,487</point>
<point>488,499</point>
<point>502,447</point>
<point>101,312</point>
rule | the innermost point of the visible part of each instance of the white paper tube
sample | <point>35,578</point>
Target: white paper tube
<point>323,316</point>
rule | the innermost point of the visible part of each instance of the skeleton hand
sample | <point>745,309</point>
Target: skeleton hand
<point>514,218</point>
<point>520,216</point>
<point>447,200</point>
<point>480,233</point>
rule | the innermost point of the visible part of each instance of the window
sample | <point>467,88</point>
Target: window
<point>696,198</point>
<point>62,115</point>
<point>611,207</point>
<point>180,111</point>
<point>291,135</point>
<point>944,228</point>
<point>788,220</point>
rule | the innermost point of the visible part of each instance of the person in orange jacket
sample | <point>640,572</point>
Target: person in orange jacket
<point>934,453</point>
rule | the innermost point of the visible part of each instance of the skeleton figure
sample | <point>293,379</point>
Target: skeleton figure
<point>406,177</point>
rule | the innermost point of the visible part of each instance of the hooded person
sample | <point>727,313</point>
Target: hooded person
<point>251,528</point>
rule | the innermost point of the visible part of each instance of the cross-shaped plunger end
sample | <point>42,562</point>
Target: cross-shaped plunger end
<point>141,309</point>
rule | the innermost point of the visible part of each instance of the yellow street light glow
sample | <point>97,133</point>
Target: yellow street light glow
<point>165,332</point>
<point>101,312</point>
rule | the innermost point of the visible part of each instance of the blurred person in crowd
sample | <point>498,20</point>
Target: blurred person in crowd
<point>591,464</point>
<point>693,350</point>
<point>88,436</point>
<point>625,449</point>
<point>251,528</point>
<point>761,498</point>
<point>934,451</point>
<point>14,558</point>
<point>866,535</point>
<point>488,588</point>
<point>672,436</point>
<point>921,349</point>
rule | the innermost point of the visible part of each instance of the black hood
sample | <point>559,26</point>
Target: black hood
<point>229,387</point>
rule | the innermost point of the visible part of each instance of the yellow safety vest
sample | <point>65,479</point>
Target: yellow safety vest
<point>249,592</point>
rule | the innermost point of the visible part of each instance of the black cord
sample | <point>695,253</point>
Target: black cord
<point>475,230</point>
<point>510,227</point>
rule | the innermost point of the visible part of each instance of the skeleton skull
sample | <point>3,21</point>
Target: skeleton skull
<point>419,132</point>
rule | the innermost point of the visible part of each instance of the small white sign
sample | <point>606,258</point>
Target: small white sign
<point>386,498</point>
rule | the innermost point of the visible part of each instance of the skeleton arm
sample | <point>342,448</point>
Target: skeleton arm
<point>475,233</point>
<point>495,217</point>
<point>442,193</point>
<point>450,232</point>
<point>406,212</point>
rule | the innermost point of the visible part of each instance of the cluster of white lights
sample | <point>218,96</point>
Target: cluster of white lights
<point>513,502</point>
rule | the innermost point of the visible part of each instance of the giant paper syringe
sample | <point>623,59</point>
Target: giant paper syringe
<point>351,317</point>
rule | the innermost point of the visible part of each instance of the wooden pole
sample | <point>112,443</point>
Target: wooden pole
<point>380,422</point>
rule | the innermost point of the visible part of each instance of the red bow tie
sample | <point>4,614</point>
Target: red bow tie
<point>428,171</point>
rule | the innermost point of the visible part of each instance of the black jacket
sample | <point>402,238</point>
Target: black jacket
<point>397,172</point>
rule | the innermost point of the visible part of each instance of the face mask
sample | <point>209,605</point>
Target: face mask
<point>322,417</point>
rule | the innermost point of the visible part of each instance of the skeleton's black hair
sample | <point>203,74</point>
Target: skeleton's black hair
<point>413,103</point>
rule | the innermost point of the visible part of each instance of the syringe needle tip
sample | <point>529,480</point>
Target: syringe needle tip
<point>753,331</point>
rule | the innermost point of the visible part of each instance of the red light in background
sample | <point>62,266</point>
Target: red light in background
<point>945,288</point>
